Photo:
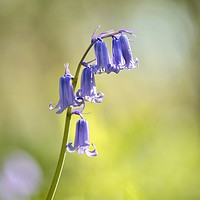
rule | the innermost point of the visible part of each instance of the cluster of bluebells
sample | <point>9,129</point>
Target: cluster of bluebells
<point>121,59</point>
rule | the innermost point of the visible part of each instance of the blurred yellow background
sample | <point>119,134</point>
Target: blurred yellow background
<point>146,130</point>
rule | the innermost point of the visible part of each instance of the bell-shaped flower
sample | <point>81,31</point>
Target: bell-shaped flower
<point>82,140</point>
<point>103,63</point>
<point>88,87</point>
<point>127,53</point>
<point>117,58</point>
<point>66,93</point>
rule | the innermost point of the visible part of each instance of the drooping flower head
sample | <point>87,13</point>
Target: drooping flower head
<point>103,63</point>
<point>82,140</point>
<point>127,52</point>
<point>66,92</point>
<point>117,58</point>
<point>121,52</point>
<point>88,86</point>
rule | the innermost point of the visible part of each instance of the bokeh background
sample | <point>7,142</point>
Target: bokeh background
<point>146,130</point>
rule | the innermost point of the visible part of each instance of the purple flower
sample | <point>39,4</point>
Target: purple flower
<point>88,87</point>
<point>66,93</point>
<point>117,58</point>
<point>102,57</point>
<point>82,141</point>
<point>127,53</point>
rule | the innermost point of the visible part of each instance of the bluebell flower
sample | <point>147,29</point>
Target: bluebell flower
<point>127,52</point>
<point>88,86</point>
<point>117,58</point>
<point>103,63</point>
<point>66,92</point>
<point>82,140</point>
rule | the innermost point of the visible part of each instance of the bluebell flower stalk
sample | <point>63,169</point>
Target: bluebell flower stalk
<point>68,99</point>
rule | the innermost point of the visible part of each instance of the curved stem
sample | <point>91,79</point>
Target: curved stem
<point>61,159</point>
<point>79,65</point>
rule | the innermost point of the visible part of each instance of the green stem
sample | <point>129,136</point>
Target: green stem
<point>79,65</point>
<point>61,159</point>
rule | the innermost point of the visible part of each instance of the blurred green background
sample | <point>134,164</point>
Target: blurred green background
<point>146,130</point>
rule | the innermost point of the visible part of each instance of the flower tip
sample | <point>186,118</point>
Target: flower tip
<point>70,148</point>
<point>50,106</point>
<point>94,146</point>
<point>92,153</point>
<point>66,65</point>
<point>67,71</point>
<point>136,62</point>
<point>59,111</point>
<point>93,38</point>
